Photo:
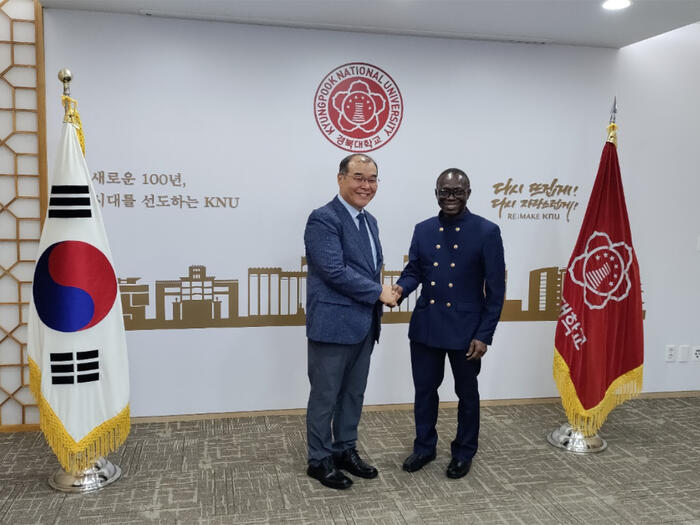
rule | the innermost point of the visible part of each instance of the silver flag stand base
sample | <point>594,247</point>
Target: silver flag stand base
<point>101,474</point>
<point>566,438</point>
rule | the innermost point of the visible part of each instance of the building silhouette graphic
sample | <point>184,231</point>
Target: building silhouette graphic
<point>544,297</point>
<point>276,297</point>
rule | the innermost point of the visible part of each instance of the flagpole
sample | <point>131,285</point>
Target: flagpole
<point>103,472</point>
<point>612,126</point>
<point>65,76</point>
<point>566,437</point>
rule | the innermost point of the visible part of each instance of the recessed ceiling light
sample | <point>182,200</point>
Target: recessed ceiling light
<point>614,5</point>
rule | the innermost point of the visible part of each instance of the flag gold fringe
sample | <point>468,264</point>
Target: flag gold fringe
<point>589,421</point>
<point>73,456</point>
<point>73,116</point>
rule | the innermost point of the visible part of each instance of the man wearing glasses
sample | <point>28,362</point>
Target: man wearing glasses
<point>344,297</point>
<point>457,258</point>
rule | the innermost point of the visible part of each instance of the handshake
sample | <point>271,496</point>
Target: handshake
<point>391,295</point>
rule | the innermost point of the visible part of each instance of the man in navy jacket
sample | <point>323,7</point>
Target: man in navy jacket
<point>344,299</point>
<point>457,258</point>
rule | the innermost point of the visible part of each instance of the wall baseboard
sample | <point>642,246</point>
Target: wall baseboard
<point>383,408</point>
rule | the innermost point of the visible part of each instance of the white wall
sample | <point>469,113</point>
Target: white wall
<point>658,83</point>
<point>230,107</point>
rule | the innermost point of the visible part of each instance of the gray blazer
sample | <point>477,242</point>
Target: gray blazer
<point>342,287</point>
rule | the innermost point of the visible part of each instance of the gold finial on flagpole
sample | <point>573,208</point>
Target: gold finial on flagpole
<point>65,76</point>
<point>612,126</point>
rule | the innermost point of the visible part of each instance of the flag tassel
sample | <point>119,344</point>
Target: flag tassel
<point>589,421</point>
<point>73,117</point>
<point>70,106</point>
<point>75,457</point>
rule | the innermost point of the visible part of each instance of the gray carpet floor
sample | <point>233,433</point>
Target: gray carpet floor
<point>252,470</point>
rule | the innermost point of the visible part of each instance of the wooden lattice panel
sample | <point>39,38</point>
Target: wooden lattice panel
<point>22,198</point>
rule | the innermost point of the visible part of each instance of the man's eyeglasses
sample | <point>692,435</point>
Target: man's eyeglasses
<point>359,179</point>
<point>458,193</point>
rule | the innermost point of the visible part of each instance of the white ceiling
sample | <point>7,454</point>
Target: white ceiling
<point>575,22</point>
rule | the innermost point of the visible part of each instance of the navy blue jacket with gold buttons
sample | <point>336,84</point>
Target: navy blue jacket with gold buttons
<point>459,264</point>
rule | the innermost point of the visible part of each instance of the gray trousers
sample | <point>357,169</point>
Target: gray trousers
<point>338,377</point>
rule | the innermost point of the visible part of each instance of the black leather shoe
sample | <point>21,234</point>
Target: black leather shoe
<point>415,462</point>
<point>458,468</point>
<point>328,475</point>
<point>351,461</point>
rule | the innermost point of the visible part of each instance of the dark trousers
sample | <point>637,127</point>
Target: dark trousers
<point>428,365</point>
<point>338,377</point>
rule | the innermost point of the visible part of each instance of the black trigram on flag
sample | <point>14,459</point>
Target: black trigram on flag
<point>67,369</point>
<point>69,202</point>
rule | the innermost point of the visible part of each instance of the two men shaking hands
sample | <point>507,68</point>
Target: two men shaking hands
<point>456,258</point>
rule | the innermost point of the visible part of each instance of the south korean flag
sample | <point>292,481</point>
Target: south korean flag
<point>76,340</point>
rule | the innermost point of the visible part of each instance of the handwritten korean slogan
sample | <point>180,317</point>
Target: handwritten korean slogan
<point>534,201</point>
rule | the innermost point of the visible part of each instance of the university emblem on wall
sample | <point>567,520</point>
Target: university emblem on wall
<point>358,107</point>
<point>602,270</point>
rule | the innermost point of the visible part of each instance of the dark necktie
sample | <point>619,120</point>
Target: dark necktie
<point>364,236</point>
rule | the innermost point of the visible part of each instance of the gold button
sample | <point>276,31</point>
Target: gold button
<point>435,263</point>
<point>432,283</point>
<point>442,229</point>
<point>452,265</point>
<point>437,246</point>
<point>457,229</point>
<point>432,301</point>
<point>456,246</point>
<point>448,305</point>
<point>450,285</point>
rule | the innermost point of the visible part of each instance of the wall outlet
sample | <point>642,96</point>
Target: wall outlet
<point>683,353</point>
<point>695,354</point>
<point>670,354</point>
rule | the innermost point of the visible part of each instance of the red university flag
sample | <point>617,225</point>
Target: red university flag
<point>599,342</point>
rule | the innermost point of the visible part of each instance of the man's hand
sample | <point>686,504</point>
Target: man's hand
<point>388,295</point>
<point>398,290</point>
<point>477,349</point>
